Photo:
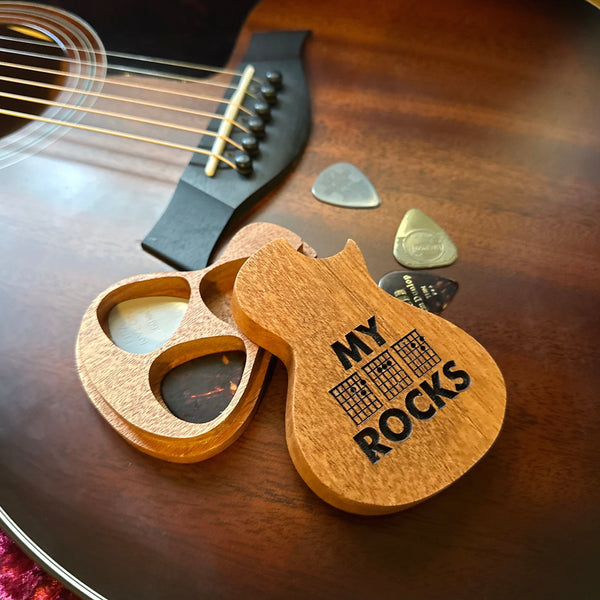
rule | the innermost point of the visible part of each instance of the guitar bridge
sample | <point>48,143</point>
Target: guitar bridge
<point>203,206</point>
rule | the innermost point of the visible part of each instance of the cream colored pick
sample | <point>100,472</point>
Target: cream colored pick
<point>421,243</point>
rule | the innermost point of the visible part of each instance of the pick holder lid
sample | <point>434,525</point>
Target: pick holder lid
<point>387,404</point>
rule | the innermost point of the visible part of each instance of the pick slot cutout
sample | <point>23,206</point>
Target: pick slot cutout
<point>199,390</point>
<point>216,289</point>
<point>141,325</point>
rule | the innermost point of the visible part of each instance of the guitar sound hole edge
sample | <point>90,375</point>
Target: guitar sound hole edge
<point>10,124</point>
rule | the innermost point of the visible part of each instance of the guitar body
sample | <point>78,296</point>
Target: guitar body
<point>482,115</point>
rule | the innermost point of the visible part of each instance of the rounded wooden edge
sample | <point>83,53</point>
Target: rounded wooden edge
<point>102,359</point>
<point>179,440</point>
<point>193,441</point>
<point>247,324</point>
<point>175,285</point>
<point>352,506</point>
<point>349,266</point>
<point>254,236</point>
<point>187,450</point>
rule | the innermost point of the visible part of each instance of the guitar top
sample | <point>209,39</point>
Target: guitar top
<point>481,115</point>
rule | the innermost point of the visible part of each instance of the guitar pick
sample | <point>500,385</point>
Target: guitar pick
<point>421,243</point>
<point>423,290</point>
<point>342,184</point>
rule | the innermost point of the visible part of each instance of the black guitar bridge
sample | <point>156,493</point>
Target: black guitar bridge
<point>202,206</point>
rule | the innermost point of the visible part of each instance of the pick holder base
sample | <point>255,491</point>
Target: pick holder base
<point>387,404</point>
<point>125,386</point>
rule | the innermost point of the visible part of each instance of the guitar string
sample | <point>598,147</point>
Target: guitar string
<point>127,56</point>
<point>14,113</point>
<point>127,70</point>
<point>124,99</point>
<point>219,136</point>
<point>105,113</point>
<point>122,84</point>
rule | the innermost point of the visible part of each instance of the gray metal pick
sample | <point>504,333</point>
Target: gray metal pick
<point>343,184</point>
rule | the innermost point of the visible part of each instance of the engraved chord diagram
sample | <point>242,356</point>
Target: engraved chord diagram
<point>416,353</point>
<point>355,397</point>
<point>389,377</point>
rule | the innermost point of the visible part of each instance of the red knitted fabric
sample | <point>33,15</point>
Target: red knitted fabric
<point>22,579</point>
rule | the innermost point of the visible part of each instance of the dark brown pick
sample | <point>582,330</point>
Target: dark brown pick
<point>425,290</point>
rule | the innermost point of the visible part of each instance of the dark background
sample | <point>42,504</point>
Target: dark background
<point>192,30</point>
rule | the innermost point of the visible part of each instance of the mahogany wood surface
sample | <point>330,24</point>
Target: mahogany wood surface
<point>359,438</point>
<point>125,386</point>
<point>483,114</point>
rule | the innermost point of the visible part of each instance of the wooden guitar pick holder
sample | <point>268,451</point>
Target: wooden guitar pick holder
<point>125,387</point>
<point>387,404</point>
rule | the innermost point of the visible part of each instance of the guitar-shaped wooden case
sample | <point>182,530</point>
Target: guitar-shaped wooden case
<point>387,404</point>
<point>125,386</point>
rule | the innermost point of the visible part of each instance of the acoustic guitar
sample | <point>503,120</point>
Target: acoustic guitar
<point>482,115</point>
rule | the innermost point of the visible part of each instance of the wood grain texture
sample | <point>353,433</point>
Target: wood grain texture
<point>483,114</point>
<point>426,437</point>
<point>126,387</point>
